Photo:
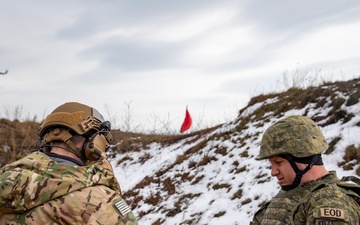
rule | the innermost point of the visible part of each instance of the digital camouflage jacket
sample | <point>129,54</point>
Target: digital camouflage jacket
<point>36,190</point>
<point>321,202</point>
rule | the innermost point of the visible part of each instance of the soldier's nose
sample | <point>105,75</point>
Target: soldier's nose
<point>274,171</point>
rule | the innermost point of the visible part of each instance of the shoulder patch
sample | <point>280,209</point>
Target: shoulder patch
<point>332,213</point>
<point>122,207</point>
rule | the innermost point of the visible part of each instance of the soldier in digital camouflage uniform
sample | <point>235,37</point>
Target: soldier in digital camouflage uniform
<point>310,194</point>
<point>70,180</point>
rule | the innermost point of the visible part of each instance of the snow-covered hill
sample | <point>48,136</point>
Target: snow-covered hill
<point>212,178</point>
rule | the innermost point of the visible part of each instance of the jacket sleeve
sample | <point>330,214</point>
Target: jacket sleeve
<point>117,212</point>
<point>110,208</point>
<point>95,205</point>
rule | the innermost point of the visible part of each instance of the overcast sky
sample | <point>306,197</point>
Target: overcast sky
<point>159,56</point>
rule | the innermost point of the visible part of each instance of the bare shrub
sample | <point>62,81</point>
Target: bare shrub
<point>304,78</point>
<point>127,119</point>
<point>111,117</point>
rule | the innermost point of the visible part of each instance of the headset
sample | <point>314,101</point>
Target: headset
<point>95,146</point>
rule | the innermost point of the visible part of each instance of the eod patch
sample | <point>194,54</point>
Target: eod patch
<point>332,213</point>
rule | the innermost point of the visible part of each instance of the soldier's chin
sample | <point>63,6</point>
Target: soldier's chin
<point>282,183</point>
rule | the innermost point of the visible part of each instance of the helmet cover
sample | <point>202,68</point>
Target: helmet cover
<point>77,117</point>
<point>295,135</point>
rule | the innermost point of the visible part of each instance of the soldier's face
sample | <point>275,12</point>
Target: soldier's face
<point>282,170</point>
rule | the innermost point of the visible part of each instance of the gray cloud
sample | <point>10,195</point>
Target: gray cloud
<point>87,49</point>
<point>281,16</point>
<point>103,16</point>
<point>280,23</point>
<point>133,54</point>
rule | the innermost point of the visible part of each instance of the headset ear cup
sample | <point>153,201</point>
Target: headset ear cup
<point>85,149</point>
<point>95,148</point>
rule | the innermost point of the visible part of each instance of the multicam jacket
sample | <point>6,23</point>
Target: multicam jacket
<point>321,202</point>
<point>36,190</point>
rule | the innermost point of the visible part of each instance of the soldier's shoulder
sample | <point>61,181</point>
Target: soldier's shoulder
<point>326,190</point>
<point>328,201</point>
<point>328,194</point>
<point>26,161</point>
<point>260,212</point>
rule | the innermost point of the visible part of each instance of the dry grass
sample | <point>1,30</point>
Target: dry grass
<point>219,214</point>
<point>206,159</point>
<point>237,194</point>
<point>352,153</point>
<point>222,185</point>
<point>332,145</point>
<point>17,139</point>
<point>153,199</point>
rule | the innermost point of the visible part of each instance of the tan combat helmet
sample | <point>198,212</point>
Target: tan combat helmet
<point>73,118</point>
<point>298,136</point>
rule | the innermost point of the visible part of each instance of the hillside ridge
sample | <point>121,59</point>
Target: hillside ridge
<point>215,178</point>
<point>212,176</point>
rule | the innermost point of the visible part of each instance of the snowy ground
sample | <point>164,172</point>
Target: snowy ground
<point>229,188</point>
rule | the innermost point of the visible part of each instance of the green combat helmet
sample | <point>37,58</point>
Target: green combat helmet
<point>295,135</point>
<point>297,139</point>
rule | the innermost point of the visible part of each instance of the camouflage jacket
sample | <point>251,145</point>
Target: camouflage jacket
<point>36,190</point>
<point>321,202</point>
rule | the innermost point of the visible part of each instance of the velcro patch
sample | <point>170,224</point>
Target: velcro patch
<point>122,207</point>
<point>332,213</point>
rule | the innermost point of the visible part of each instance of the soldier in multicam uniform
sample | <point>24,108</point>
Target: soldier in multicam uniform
<point>70,180</point>
<point>310,194</point>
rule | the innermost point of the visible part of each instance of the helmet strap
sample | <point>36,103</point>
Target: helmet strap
<point>61,134</point>
<point>314,160</point>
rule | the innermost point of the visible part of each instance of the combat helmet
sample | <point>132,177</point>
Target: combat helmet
<point>296,135</point>
<point>73,118</point>
<point>297,139</point>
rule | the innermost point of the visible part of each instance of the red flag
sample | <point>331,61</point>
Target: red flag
<point>187,122</point>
